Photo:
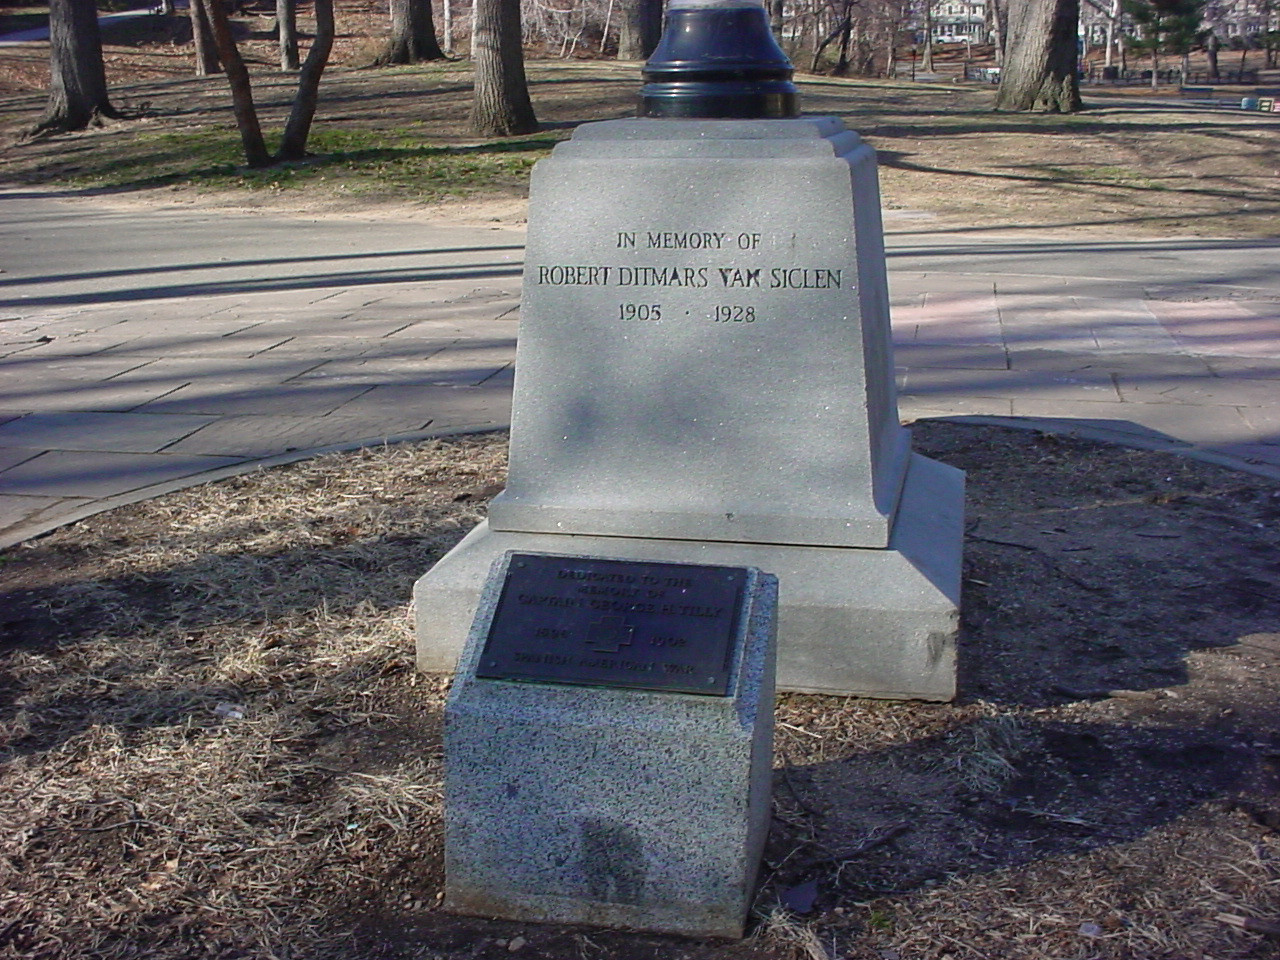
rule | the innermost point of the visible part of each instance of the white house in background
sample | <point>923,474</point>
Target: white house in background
<point>1241,18</point>
<point>955,21</point>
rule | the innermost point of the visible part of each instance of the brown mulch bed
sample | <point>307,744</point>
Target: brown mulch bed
<point>213,741</point>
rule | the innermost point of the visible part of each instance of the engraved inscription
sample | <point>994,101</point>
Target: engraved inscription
<point>730,247</point>
<point>798,279</point>
<point>582,620</point>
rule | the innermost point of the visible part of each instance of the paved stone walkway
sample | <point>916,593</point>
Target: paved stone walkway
<point>145,350</point>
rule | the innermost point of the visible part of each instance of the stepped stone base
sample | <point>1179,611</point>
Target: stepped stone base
<point>851,621</point>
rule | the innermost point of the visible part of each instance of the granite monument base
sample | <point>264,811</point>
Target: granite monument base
<point>863,622</point>
<point>616,807</point>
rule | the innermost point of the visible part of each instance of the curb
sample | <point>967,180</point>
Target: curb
<point>17,536</point>
<point>23,534</point>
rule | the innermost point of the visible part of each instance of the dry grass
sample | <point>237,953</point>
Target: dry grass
<point>213,742</point>
<point>196,763</point>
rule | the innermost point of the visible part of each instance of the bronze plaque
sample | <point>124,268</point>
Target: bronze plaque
<point>615,623</point>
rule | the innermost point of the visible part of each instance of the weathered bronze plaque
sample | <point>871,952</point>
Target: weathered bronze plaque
<point>654,626</point>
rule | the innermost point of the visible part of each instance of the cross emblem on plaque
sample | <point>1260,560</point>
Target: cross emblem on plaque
<point>609,634</point>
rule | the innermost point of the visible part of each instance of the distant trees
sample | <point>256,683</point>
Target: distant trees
<point>1165,26</point>
<point>862,37</point>
<point>1040,70</point>
<point>78,78</point>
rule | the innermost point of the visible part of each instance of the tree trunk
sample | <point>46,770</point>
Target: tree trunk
<point>1115,33</point>
<point>777,18</point>
<point>78,80</point>
<point>206,48</point>
<point>926,57</point>
<point>640,29</point>
<point>997,8</point>
<point>255,149</point>
<point>822,46</point>
<point>500,106</point>
<point>296,131</point>
<point>1039,72</point>
<point>846,34</point>
<point>413,33</point>
<point>1211,53</point>
<point>287,31</point>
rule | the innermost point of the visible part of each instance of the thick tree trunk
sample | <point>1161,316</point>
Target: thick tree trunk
<point>296,131</point>
<point>78,80</point>
<point>640,29</point>
<point>413,33</point>
<point>287,32</point>
<point>1211,52</point>
<point>255,148</point>
<point>777,17</point>
<point>500,106</point>
<point>1039,71</point>
<point>206,48</point>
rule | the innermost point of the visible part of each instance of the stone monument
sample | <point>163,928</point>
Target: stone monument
<point>608,745</point>
<point>704,373</point>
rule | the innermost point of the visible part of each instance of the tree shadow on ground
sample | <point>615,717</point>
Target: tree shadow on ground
<point>242,699</point>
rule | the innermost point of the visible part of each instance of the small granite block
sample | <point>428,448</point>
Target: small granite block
<point>608,806</point>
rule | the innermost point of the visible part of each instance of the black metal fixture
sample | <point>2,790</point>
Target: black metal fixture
<point>718,59</point>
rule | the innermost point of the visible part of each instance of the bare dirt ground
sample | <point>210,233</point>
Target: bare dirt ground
<point>215,743</point>
<point>1131,165</point>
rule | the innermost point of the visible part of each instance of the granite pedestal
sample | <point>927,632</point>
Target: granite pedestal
<point>617,807</point>
<point>704,373</point>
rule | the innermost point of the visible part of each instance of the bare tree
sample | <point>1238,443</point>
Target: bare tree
<point>841,29</point>
<point>287,32</point>
<point>298,129</point>
<point>413,33</point>
<point>206,47</point>
<point>78,79</point>
<point>500,106</point>
<point>997,12</point>
<point>1040,71</point>
<point>926,55</point>
<point>255,148</point>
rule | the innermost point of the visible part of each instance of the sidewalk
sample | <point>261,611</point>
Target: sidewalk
<point>145,350</point>
<point>36,34</point>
